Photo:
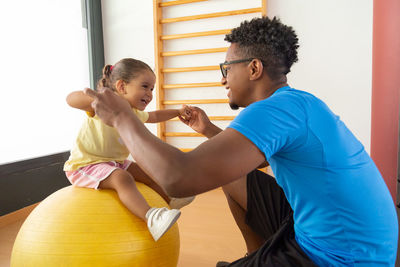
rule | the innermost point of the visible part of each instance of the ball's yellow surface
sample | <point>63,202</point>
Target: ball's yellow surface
<point>87,227</point>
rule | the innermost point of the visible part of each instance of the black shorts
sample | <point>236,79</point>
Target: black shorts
<point>270,216</point>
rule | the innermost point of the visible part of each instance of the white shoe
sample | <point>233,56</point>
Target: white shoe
<point>159,220</point>
<point>178,203</point>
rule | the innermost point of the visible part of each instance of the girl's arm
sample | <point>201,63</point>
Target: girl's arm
<point>166,114</point>
<point>80,100</point>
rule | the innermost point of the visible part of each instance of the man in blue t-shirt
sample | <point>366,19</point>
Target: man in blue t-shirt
<point>327,205</point>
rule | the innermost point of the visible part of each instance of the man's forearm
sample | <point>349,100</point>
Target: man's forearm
<point>212,131</point>
<point>164,163</point>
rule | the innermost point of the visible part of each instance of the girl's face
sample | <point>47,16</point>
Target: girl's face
<point>139,91</point>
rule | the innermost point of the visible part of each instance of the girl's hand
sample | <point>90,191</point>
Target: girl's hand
<point>185,112</point>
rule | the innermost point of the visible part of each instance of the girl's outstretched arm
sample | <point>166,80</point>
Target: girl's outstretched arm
<point>162,115</point>
<point>80,100</point>
<point>166,114</point>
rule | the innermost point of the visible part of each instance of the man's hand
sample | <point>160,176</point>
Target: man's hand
<point>107,105</point>
<point>200,122</point>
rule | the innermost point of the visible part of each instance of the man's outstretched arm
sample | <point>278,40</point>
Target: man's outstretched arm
<point>200,122</point>
<point>218,161</point>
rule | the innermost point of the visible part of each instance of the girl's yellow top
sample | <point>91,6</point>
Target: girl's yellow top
<point>98,142</point>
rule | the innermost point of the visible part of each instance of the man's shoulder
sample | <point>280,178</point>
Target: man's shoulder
<point>291,93</point>
<point>294,98</point>
<point>287,99</point>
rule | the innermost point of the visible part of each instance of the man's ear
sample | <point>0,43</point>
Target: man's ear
<point>120,87</point>
<point>256,69</point>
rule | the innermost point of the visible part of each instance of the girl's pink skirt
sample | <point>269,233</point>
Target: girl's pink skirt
<point>90,176</point>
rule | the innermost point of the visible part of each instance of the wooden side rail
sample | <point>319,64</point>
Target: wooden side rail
<point>159,61</point>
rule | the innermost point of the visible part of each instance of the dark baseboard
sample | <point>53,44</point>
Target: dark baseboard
<point>26,182</point>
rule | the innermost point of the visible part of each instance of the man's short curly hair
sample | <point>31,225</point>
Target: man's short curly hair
<point>268,40</point>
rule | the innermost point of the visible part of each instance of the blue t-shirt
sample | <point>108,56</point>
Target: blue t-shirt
<point>343,212</point>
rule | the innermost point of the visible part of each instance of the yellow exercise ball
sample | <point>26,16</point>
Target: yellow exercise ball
<point>85,227</point>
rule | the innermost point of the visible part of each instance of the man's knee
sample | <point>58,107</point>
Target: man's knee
<point>237,191</point>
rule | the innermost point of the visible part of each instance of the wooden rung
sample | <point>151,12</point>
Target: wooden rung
<point>194,52</point>
<point>190,85</point>
<point>213,15</point>
<point>195,101</point>
<point>214,118</point>
<point>185,149</point>
<point>179,2</point>
<point>194,34</point>
<point>181,134</point>
<point>202,68</point>
<point>222,118</point>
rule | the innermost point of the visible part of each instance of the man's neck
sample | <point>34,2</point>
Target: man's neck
<point>265,90</point>
<point>275,87</point>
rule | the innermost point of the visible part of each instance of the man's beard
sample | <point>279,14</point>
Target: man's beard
<point>233,106</point>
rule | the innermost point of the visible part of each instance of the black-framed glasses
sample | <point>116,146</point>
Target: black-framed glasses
<point>223,66</point>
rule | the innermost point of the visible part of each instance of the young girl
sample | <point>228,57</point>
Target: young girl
<point>99,158</point>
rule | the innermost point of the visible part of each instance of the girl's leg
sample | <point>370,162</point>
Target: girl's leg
<point>123,182</point>
<point>159,220</point>
<point>140,176</point>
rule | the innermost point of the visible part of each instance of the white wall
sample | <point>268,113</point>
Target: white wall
<point>334,56</point>
<point>128,32</point>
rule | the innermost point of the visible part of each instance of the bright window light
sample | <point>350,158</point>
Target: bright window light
<point>44,56</point>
